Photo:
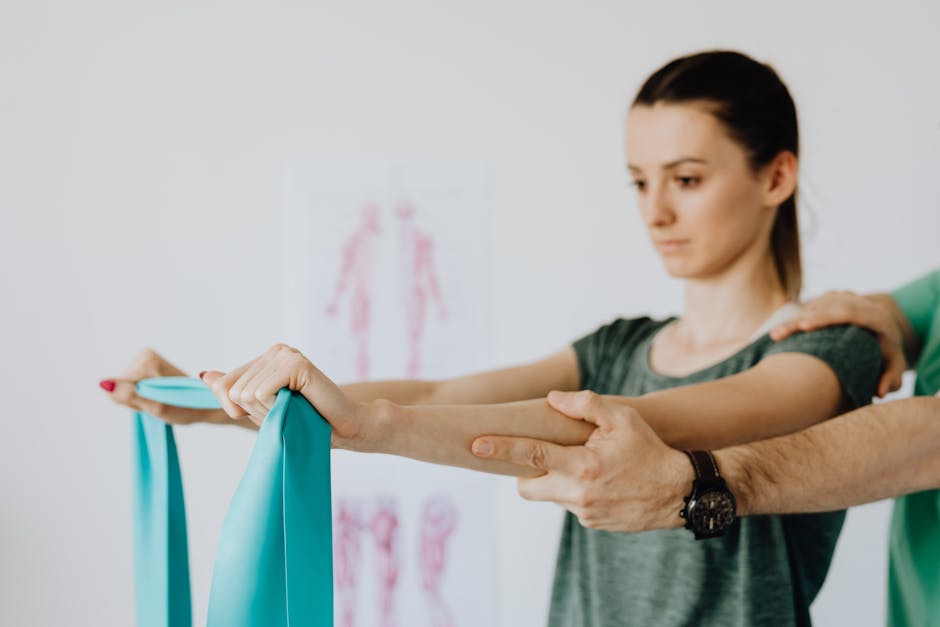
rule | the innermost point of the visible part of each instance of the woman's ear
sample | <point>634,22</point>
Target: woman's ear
<point>781,180</point>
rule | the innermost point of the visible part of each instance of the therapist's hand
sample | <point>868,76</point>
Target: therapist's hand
<point>148,364</point>
<point>875,313</point>
<point>249,392</point>
<point>624,478</point>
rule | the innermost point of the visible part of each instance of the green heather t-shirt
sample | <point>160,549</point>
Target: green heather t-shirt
<point>765,570</point>
<point>914,568</point>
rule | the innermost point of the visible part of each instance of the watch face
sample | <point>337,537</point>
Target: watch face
<point>713,512</point>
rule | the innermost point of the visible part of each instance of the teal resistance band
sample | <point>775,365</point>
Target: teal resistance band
<point>274,563</point>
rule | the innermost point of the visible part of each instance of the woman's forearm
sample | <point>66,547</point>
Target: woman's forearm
<point>504,385</point>
<point>401,392</point>
<point>442,434</point>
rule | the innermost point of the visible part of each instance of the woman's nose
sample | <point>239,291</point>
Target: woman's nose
<point>656,208</point>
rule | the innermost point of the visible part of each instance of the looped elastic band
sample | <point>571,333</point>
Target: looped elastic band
<point>274,561</point>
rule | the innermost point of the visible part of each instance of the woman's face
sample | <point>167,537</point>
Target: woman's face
<point>703,205</point>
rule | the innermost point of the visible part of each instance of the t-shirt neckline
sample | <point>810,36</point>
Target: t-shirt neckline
<point>783,313</point>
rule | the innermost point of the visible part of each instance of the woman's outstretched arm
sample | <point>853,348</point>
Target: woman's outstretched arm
<point>782,394</point>
<point>555,372</point>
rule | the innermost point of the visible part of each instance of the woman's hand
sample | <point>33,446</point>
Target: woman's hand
<point>249,392</point>
<point>624,478</point>
<point>148,364</point>
<point>869,312</point>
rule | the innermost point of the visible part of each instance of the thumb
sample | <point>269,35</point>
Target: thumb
<point>230,407</point>
<point>565,403</point>
<point>210,376</point>
<point>124,392</point>
<point>584,405</point>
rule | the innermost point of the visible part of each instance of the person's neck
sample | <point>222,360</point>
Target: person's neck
<point>730,306</point>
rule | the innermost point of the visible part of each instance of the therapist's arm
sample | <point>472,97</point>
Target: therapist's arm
<point>872,453</point>
<point>627,479</point>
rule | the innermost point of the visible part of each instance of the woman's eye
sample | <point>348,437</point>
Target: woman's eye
<point>639,185</point>
<point>687,181</point>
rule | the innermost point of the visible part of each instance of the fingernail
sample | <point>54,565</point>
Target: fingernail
<point>202,374</point>
<point>107,385</point>
<point>482,449</point>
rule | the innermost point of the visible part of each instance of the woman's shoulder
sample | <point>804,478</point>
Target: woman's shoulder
<point>848,337</point>
<point>852,352</point>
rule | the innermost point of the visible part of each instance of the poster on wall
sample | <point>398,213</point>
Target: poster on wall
<point>387,269</point>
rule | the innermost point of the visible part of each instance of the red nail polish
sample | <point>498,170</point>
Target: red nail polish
<point>202,374</point>
<point>107,385</point>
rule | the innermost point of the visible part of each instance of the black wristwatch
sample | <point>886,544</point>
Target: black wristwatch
<point>710,510</point>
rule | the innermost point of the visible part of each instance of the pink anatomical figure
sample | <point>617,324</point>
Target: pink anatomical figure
<point>356,275</point>
<point>438,522</point>
<point>385,537</point>
<point>346,560</point>
<point>420,284</point>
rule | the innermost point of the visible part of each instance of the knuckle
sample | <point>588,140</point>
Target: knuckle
<point>148,360</point>
<point>587,399</point>
<point>584,395</point>
<point>589,471</point>
<point>279,348</point>
<point>288,349</point>
<point>584,499</point>
<point>536,456</point>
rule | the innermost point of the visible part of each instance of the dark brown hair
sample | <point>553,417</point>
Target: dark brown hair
<point>757,110</point>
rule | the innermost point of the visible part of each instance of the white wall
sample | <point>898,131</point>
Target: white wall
<point>143,147</point>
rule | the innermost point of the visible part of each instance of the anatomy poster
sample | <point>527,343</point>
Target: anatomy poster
<point>387,267</point>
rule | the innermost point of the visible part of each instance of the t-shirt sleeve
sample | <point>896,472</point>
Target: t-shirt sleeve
<point>919,301</point>
<point>852,352</point>
<point>596,349</point>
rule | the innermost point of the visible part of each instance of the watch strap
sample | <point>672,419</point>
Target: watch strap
<point>706,470</point>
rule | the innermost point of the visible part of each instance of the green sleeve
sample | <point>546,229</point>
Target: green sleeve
<point>919,301</point>
<point>852,352</point>
<point>596,349</point>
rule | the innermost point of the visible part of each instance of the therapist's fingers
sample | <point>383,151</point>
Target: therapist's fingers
<point>556,488</point>
<point>833,307</point>
<point>219,383</point>
<point>895,365</point>
<point>785,330</point>
<point>537,454</point>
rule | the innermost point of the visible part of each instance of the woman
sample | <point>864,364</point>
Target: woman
<point>712,145</point>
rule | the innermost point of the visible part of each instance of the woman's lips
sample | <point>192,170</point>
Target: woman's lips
<point>670,245</point>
